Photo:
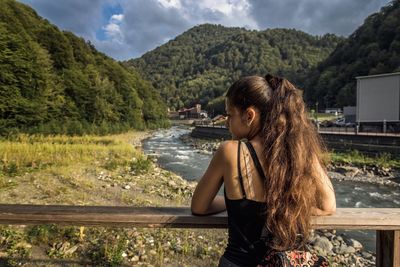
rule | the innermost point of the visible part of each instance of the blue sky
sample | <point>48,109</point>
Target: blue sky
<point>125,29</point>
<point>108,10</point>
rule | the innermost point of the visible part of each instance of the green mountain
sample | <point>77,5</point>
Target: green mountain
<point>374,48</point>
<point>54,82</point>
<point>200,64</point>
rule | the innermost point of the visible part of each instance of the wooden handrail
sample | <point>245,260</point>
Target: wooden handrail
<point>180,217</point>
<point>385,220</point>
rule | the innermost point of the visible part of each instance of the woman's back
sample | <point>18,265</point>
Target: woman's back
<point>253,183</point>
<point>246,208</point>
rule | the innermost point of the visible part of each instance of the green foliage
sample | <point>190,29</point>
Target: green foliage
<point>55,237</point>
<point>199,65</point>
<point>356,158</point>
<point>42,233</point>
<point>10,169</point>
<point>14,244</point>
<point>53,82</point>
<point>108,251</point>
<point>374,48</point>
<point>140,165</point>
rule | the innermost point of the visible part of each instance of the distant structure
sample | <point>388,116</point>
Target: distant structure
<point>349,113</point>
<point>335,111</point>
<point>219,119</point>
<point>189,113</point>
<point>378,103</point>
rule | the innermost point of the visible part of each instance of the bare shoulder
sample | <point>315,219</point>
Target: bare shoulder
<point>228,147</point>
<point>227,151</point>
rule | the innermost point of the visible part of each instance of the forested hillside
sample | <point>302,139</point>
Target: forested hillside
<point>374,48</point>
<point>54,82</point>
<point>201,63</point>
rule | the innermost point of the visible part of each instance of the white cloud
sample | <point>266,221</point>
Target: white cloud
<point>113,30</point>
<point>146,25</point>
<point>171,3</point>
<point>117,18</point>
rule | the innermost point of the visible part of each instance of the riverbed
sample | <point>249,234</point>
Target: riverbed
<point>181,158</point>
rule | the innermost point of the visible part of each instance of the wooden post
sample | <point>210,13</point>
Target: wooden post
<point>387,248</point>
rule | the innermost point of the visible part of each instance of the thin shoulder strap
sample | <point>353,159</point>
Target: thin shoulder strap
<point>256,160</point>
<point>239,170</point>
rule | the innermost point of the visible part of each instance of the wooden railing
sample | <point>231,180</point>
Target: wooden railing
<point>385,221</point>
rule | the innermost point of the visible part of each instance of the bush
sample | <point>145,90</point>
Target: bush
<point>140,165</point>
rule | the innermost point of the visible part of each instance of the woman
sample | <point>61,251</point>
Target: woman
<point>274,182</point>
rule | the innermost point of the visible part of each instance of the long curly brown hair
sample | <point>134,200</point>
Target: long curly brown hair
<point>292,147</point>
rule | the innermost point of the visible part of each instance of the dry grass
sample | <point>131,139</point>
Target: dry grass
<point>27,153</point>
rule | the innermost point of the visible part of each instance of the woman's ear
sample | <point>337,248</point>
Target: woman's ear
<point>250,115</point>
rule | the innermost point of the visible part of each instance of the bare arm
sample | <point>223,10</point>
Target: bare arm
<point>326,200</point>
<point>205,199</point>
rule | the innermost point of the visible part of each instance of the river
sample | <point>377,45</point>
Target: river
<point>184,160</point>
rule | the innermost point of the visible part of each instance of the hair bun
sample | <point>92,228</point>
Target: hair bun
<point>273,81</point>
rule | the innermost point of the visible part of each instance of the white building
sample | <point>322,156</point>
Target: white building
<point>378,101</point>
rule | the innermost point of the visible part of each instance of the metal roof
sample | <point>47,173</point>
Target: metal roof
<point>378,75</point>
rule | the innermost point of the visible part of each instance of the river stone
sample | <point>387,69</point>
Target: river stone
<point>327,234</point>
<point>350,250</point>
<point>335,243</point>
<point>366,255</point>
<point>172,183</point>
<point>323,243</point>
<point>355,244</point>
<point>347,170</point>
<point>340,249</point>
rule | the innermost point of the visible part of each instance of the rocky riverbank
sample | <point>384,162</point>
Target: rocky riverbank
<point>341,250</point>
<point>339,171</point>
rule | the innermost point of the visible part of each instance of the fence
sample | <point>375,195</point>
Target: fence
<point>352,131</point>
<point>385,221</point>
<point>367,143</point>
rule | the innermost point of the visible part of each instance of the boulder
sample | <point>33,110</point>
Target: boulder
<point>323,243</point>
<point>355,244</point>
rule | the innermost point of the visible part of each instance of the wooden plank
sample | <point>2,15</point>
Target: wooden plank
<point>109,216</point>
<point>387,248</point>
<point>360,218</point>
<point>384,254</point>
<point>179,217</point>
<point>396,249</point>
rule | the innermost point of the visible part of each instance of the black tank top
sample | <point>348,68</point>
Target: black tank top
<point>246,219</point>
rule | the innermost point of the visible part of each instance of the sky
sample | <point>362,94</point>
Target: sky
<point>125,29</point>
